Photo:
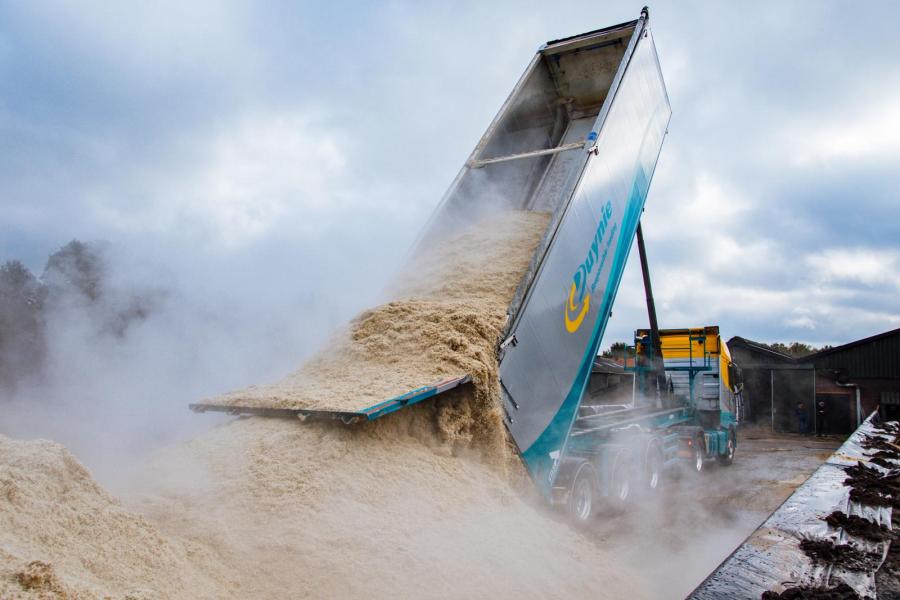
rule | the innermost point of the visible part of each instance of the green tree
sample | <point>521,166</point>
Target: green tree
<point>616,350</point>
<point>75,271</point>
<point>799,349</point>
<point>78,275</point>
<point>795,349</point>
<point>22,332</point>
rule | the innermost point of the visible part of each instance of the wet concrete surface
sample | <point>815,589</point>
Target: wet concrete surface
<point>683,533</point>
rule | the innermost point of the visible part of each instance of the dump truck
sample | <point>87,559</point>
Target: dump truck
<point>578,139</point>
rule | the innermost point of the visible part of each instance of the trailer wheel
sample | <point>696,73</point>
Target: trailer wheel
<point>583,494</point>
<point>728,458</point>
<point>620,482</point>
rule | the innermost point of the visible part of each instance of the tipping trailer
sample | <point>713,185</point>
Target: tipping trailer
<point>578,138</point>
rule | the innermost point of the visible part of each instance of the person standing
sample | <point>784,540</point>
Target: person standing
<point>820,418</point>
<point>802,418</point>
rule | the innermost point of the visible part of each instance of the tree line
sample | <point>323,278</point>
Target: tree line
<point>75,284</point>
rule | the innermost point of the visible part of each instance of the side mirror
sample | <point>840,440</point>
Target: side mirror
<point>735,377</point>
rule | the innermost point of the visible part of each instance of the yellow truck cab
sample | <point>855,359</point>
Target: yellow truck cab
<point>699,368</point>
<point>700,376</point>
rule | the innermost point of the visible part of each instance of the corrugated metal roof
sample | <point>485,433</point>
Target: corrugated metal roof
<point>875,357</point>
<point>738,341</point>
<point>848,345</point>
<point>607,365</point>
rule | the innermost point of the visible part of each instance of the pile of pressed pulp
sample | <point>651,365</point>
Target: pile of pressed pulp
<point>410,505</point>
<point>63,536</point>
<point>266,508</point>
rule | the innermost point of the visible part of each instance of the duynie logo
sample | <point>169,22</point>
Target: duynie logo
<point>579,301</point>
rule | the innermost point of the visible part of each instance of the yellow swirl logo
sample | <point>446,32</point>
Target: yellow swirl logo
<point>572,324</point>
<point>579,301</point>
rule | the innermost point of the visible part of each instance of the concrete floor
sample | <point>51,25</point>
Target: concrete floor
<point>681,535</point>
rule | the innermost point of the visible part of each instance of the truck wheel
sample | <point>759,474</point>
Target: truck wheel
<point>620,482</point>
<point>730,447</point>
<point>653,471</point>
<point>699,455</point>
<point>583,494</point>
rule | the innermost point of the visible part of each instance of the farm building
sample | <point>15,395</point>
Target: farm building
<point>851,380</point>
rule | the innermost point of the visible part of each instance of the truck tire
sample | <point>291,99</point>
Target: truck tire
<point>653,468</point>
<point>583,495</point>
<point>696,465</point>
<point>620,481</point>
<point>730,447</point>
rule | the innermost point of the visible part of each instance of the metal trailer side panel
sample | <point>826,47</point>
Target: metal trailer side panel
<point>561,323</point>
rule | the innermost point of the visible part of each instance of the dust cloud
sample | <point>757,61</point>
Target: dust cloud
<point>214,323</point>
<point>420,504</point>
<point>684,530</point>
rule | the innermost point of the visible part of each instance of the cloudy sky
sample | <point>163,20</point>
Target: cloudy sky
<point>287,153</point>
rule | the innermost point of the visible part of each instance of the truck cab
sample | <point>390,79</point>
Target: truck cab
<point>700,377</point>
<point>674,404</point>
<point>699,372</point>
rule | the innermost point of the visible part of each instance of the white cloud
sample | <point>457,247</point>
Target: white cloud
<point>870,129</point>
<point>245,181</point>
<point>821,303</point>
<point>705,205</point>
<point>801,321</point>
<point>264,170</point>
<point>147,43</point>
<point>862,265</point>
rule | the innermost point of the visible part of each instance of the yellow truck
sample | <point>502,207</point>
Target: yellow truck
<point>698,375</point>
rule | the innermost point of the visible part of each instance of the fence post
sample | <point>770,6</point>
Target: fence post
<point>772,395</point>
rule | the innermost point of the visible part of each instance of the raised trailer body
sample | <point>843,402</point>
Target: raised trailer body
<point>578,138</point>
<point>605,91</point>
